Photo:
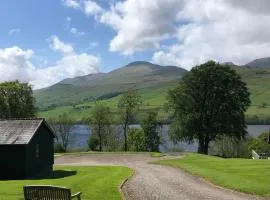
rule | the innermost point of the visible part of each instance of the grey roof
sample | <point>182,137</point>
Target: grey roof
<point>19,131</point>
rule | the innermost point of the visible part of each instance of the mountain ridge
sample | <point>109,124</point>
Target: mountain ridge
<point>139,74</point>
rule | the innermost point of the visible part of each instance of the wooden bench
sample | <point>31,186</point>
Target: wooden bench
<point>48,192</point>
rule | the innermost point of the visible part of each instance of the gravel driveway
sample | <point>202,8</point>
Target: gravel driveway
<point>155,182</point>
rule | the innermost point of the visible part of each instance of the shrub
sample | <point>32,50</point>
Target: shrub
<point>136,140</point>
<point>93,143</point>
<point>58,148</point>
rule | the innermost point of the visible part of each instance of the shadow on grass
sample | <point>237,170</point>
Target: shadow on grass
<point>62,174</point>
<point>56,174</point>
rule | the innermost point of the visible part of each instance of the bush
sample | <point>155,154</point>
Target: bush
<point>261,144</point>
<point>176,149</point>
<point>136,140</point>
<point>93,143</point>
<point>228,147</point>
<point>58,148</point>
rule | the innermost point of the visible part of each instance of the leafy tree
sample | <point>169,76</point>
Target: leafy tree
<point>16,100</point>
<point>209,101</point>
<point>150,128</point>
<point>136,140</point>
<point>261,144</point>
<point>101,123</point>
<point>128,105</point>
<point>62,126</point>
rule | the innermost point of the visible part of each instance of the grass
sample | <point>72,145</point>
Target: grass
<point>157,154</point>
<point>100,182</point>
<point>245,175</point>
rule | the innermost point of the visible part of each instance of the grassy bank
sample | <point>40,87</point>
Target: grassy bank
<point>93,182</point>
<point>249,176</point>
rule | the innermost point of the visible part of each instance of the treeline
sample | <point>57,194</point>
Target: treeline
<point>105,135</point>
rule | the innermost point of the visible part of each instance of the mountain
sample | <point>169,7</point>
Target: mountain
<point>229,63</point>
<point>139,75</point>
<point>259,63</point>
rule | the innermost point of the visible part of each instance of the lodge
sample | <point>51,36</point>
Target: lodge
<point>26,148</point>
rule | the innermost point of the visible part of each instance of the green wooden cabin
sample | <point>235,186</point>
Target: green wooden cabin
<point>26,148</point>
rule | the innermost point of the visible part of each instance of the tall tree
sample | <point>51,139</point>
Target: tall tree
<point>16,100</point>
<point>209,101</point>
<point>150,128</point>
<point>63,129</point>
<point>128,105</point>
<point>101,120</point>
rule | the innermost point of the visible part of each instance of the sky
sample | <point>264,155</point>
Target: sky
<point>44,42</point>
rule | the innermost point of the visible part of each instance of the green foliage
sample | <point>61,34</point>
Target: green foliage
<point>93,143</point>
<point>95,182</point>
<point>62,126</point>
<point>136,140</point>
<point>260,144</point>
<point>16,100</point>
<point>101,119</point>
<point>58,148</point>
<point>150,125</point>
<point>210,100</point>
<point>245,175</point>
<point>230,147</point>
<point>128,105</point>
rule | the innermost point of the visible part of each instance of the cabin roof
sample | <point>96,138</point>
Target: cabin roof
<point>19,131</point>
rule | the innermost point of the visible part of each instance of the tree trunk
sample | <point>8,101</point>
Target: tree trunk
<point>125,136</point>
<point>100,138</point>
<point>206,145</point>
<point>203,145</point>
<point>205,150</point>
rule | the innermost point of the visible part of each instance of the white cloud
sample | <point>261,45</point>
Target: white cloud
<point>16,64</point>
<point>141,24</point>
<point>93,44</point>
<point>91,8</point>
<point>222,30</point>
<point>58,45</point>
<point>72,3</point>
<point>75,32</point>
<point>14,31</point>
<point>68,19</point>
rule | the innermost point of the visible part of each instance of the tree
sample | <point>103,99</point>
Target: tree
<point>128,105</point>
<point>150,128</point>
<point>16,100</point>
<point>136,140</point>
<point>62,126</point>
<point>209,101</point>
<point>101,123</point>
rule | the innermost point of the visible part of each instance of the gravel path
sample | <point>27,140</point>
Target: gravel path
<point>155,182</point>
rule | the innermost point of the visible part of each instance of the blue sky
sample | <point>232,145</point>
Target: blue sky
<point>36,21</point>
<point>43,42</point>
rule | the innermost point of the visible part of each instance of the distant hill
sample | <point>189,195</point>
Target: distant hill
<point>259,63</point>
<point>137,75</point>
<point>229,63</point>
<point>76,96</point>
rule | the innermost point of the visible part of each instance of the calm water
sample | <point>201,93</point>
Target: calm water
<point>81,134</point>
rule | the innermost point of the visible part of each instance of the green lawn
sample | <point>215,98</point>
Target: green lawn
<point>245,175</point>
<point>94,182</point>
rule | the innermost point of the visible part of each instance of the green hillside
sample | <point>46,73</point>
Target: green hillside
<point>139,75</point>
<point>152,82</point>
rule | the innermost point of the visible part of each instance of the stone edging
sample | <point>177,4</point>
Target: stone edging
<point>120,188</point>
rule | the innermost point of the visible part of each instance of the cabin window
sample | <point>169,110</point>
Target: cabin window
<point>37,150</point>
